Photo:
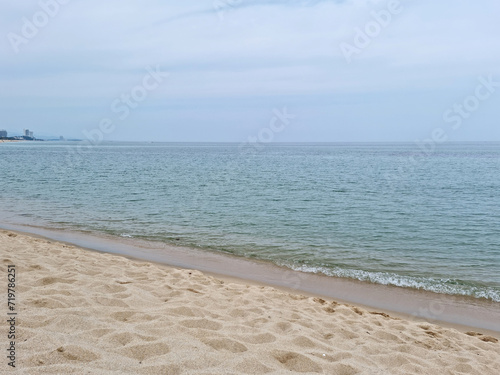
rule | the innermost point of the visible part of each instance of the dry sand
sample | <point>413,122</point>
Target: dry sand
<point>83,312</point>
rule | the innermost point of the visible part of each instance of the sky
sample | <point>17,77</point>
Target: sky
<point>243,70</point>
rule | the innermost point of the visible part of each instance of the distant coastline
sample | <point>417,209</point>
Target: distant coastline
<point>20,139</point>
<point>11,140</point>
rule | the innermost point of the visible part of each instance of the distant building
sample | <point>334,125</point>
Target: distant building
<point>61,138</point>
<point>26,132</point>
<point>3,133</point>
<point>31,134</point>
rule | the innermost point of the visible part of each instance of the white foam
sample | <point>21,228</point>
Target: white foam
<point>445,286</point>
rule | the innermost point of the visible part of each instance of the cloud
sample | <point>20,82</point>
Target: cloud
<point>91,52</point>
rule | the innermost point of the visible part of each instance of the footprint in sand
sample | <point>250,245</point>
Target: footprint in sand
<point>480,336</point>
<point>98,333</point>
<point>263,338</point>
<point>123,316</point>
<point>184,311</point>
<point>62,354</point>
<point>47,303</point>
<point>296,362</point>
<point>251,366</point>
<point>145,351</point>
<point>226,344</point>
<point>122,338</point>
<point>283,327</point>
<point>53,280</point>
<point>304,342</point>
<point>111,302</point>
<point>342,369</point>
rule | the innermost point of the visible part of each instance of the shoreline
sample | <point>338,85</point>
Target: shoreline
<point>463,313</point>
<point>80,311</point>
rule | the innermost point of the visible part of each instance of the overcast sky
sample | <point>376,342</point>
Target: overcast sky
<point>339,71</point>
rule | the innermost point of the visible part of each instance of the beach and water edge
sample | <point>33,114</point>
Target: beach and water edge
<point>354,211</point>
<point>80,309</point>
<point>317,258</point>
<point>460,312</point>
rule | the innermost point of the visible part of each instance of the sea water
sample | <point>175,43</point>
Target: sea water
<point>395,214</point>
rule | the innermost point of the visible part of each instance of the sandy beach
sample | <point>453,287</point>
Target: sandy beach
<point>83,312</point>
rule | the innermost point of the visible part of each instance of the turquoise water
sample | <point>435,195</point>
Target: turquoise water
<point>385,213</point>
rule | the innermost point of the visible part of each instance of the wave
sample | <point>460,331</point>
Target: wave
<point>444,286</point>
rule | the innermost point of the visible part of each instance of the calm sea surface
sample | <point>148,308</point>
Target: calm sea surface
<point>385,213</point>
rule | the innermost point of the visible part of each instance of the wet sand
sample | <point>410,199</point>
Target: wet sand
<point>460,312</point>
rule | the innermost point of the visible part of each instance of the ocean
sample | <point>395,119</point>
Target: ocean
<point>387,213</point>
